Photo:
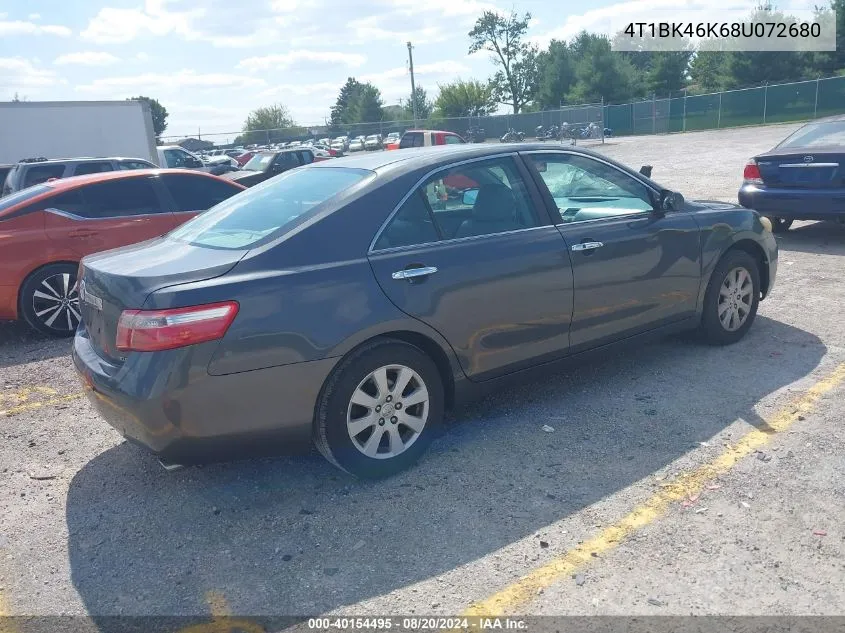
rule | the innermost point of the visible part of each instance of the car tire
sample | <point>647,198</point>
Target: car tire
<point>729,304</point>
<point>49,301</point>
<point>358,425</point>
<point>780,225</point>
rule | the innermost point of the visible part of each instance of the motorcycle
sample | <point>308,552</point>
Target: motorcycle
<point>547,134</point>
<point>512,136</point>
<point>475,135</point>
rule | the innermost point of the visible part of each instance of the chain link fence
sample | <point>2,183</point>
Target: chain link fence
<point>776,103</point>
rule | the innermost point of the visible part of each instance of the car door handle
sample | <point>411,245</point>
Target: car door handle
<point>410,273</point>
<point>587,246</point>
<point>82,233</point>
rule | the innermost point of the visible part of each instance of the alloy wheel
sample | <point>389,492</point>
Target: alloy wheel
<point>55,302</point>
<point>736,296</point>
<point>387,411</point>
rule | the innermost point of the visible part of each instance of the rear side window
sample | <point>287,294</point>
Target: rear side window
<point>411,139</point>
<point>267,209</point>
<point>69,202</point>
<point>412,224</point>
<point>305,157</point>
<point>120,198</point>
<point>197,193</point>
<point>451,138</point>
<point>42,173</point>
<point>92,168</point>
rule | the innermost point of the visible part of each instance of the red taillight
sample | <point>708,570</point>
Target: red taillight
<point>155,330</point>
<point>752,173</point>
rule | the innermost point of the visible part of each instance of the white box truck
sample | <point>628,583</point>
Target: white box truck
<point>71,129</point>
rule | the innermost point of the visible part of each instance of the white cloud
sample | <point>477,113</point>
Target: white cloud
<point>375,27</point>
<point>286,60</point>
<point>19,74</point>
<point>19,27</point>
<point>113,26</point>
<point>446,8</point>
<point>436,68</point>
<point>168,82</point>
<point>325,89</point>
<point>284,6</point>
<point>142,57</point>
<point>34,16</point>
<point>87,58</point>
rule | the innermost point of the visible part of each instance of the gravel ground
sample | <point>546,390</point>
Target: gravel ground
<point>92,525</point>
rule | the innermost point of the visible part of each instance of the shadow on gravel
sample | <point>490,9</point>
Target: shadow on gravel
<point>293,536</point>
<point>20,344</point>
<point>823,238</point>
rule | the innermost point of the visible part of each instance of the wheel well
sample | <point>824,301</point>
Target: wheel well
<point>434,352</point>
<point>756,251</point>
<point>32,272</point>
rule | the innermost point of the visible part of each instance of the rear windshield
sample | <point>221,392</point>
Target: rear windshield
<point>7,202</point>
<point>828,134</point>
<point>266,209</point>
<point>258,162</point>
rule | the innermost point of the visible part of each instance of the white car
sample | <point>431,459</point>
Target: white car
<point>356,145</point>
<point>373,141</point>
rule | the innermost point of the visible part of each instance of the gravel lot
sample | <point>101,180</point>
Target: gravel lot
<point>92,525</point>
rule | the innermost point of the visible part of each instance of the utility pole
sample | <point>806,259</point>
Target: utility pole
<point>413,88</point>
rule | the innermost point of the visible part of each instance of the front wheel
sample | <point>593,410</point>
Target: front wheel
<point>379,409</point>
<point>50,301</point>
<point>731,300</point>
<point>780,225</point>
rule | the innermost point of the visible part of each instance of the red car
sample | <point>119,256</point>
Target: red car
<point>425,138</point>
<point>243,159</point>
<point>46,229</point>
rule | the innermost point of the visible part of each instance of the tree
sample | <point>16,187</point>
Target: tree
<point>424,106</point>
<point>707,70</point>
<point>556,74</point>
<point>464,98</point>
<point>340,110</point>
<point>158,112</point>
<point>515,83</point>
<point>357,103</point>
<point>830,62</point>
<point>275,117</point>
<point>601,73</point>
<point>394,113</point>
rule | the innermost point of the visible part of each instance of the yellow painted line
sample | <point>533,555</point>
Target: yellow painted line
<point>221,618</point>
<point>23,394</point>
<point>7,624</point>
<point>29,406</point>
<point>520,593</point>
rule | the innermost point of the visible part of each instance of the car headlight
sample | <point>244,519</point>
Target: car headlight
<point>766,222</point>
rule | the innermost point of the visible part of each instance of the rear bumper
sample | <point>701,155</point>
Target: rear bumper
<point>802,204</point>
<point>169,403</point>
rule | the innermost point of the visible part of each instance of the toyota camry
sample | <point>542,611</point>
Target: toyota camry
<point>350,302</point>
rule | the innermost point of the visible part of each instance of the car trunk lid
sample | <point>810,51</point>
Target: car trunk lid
<point>803,169</point>
<point>123,278</point>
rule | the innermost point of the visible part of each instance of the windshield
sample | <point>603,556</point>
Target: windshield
<point>245,219</point>
<point>7,202</point>
<point>259,162</point>
<point>827,134</point>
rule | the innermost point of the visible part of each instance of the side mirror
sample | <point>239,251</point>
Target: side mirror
<point>469,197</point>
<point>645,170</point>
<point>671,200</point>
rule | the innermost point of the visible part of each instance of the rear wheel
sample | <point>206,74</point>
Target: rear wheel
<point>731,300</point>
<point>50,301</point>
<point>379,409</point>
<point>780,225</point>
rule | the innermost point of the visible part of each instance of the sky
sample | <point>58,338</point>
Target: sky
<point>210,62</point>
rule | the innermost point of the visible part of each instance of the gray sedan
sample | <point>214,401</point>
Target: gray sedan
<point>350,302</point>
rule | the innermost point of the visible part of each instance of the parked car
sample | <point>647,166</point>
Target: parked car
<point>393,137</point>
<point>373,141</point>
<point>4,171</point>
<point>320,149</point>
<point>219,165</point>
<point>265,165</point>
<point>425,138</point>
<point>47,228</point>
<point>325,141</point>
<point>803,177</point>
<point>339,302</point>
<point>175,157</point>
<point>356,144</point>
<point>33,171</point>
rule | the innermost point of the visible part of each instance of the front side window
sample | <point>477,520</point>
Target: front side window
<point>268,209</point>
<point>587,189</point>
<point>452,139</point>
<point>121,198</point>
<point>134,164</point>
<point>479,198</point>
<point>177,159</point>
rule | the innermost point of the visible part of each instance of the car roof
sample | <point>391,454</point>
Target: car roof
<point>78,159</point>
<point>414,157</point>
<point>434,131</point>
<point>78,181</point>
